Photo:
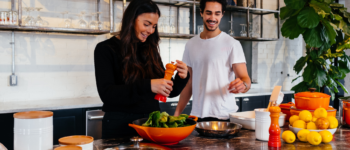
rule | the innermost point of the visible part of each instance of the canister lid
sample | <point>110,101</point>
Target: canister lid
<point>69,147</point>
<point>76,140</point>
<point>33,114</point>
<point>312,94</point>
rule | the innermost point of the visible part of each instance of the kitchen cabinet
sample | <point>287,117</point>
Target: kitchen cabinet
<point>67,122</point>
<point>287,98</point>
<point>253,102</point>
<point>170,107</point>
<point>6,130</point>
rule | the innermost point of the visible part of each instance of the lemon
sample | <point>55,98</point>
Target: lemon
<point>326,136</point>
<point>320,112</point>
<point>311,125</point>
<point>314,119</point>
<point>305,115</point>
<point>314,138</point>
<point>302,135</point>
<point>333,122</point>
<point>293,118</point>
<point>299,124</point>
<point>288,136</point>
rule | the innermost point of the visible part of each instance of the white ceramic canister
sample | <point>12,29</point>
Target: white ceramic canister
<point>86,142</point>
<point>33,130</point>
<point>263,122</point>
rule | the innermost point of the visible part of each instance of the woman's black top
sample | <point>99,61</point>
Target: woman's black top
<point>117,96</point>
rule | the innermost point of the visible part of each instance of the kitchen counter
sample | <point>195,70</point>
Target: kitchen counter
<point>245,140</point>
<point>12,107</point>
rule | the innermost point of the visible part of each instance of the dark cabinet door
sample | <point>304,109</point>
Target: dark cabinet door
<point>6,130</point>
<point>67,122</point>
<point>170,107</point>
<point>251,103</point>
<point>287,98</point>
<point>238,102</point>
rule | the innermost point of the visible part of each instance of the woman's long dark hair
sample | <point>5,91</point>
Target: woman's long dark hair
<point>144,64</point>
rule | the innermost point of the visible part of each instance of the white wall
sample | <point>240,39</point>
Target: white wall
<point>55,66</point>
<point>347,78</point>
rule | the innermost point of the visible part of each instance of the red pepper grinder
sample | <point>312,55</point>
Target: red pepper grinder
<point>274,130</point>
<point>169,72</point>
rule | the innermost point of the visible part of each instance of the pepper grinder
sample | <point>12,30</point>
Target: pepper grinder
<point>274,130</point>
<point>169,72</point>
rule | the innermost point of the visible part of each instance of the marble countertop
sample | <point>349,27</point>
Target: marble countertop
<point>12,107</point>
<point>244,140</point>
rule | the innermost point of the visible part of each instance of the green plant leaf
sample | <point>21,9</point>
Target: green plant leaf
<point>330,81</point>
<point>337,17</point>
<point>344,67</point>
<point>321,77</point>
<point>321,6</point>
<point>330,31</point>
<point>300,87</point>
<point>332,93</point>
<point>295,4</point>
<point>309,72</point>
<point>290,29</point>
<point>314,54</point>
<point>336,5</point>
<point>328,1</point>
<point>295,78</point>
<point>286,12</point>
<point>343,25</point>
<point>342,86</point>
<point>312,37</point>
<point>299,65</point>
<point>308,18</point>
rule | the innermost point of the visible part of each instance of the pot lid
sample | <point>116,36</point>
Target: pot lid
<point>76,140</point>
<point>312,94</point>
<point>136,144</point>
<point>287,105</point>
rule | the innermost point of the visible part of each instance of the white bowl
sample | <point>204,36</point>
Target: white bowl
<point>296,130</point>
<point>247,119</point>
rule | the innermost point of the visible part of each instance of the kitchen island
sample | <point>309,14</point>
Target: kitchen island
<point>245,140</point>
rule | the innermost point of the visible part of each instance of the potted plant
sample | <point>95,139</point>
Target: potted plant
<point>325,27</point>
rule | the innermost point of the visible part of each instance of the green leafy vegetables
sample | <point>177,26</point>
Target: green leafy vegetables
<point>164,120</point>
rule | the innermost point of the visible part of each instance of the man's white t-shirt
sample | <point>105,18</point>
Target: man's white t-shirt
<point>211,62</point>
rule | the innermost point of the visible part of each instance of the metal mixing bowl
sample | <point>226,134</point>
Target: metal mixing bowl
<point>218,128</point>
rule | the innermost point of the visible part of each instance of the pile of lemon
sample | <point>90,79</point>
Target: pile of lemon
<point>306,121</point>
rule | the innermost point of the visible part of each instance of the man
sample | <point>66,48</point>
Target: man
<point>217,67</point>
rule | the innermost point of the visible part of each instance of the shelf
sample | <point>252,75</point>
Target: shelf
<point>182,3</point>
<point>254,39</point>
<point>256,11</point>
<point>168,35</point>
<point>53,29</point>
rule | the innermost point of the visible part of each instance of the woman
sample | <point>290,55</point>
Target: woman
<point>129,71</point>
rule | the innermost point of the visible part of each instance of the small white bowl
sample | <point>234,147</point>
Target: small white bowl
<point>296,130</point>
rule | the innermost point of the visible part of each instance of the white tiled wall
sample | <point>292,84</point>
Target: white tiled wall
<point>55,66</point>
<point>347,78</point>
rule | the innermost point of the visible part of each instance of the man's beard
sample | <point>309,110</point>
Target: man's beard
<point>208,28</point>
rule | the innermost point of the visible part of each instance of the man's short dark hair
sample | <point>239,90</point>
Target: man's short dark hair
<point>204,2</point>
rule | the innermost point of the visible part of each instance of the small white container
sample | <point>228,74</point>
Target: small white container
<point>69,147</point>
<point>263,122</point>
<point>247,119</point>
<point>33,130</point>
<point>86,142</point>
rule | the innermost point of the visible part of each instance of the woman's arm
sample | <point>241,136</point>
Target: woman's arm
<point>108,89</point>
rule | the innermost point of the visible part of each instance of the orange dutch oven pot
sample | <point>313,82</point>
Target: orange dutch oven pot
<point>311,100</point>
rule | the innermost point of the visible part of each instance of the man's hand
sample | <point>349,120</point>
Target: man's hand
<point>237,86</point>
<point>181,69</point>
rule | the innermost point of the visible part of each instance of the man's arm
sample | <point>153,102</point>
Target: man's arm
<point>185,95</point>
<point>237,86</point>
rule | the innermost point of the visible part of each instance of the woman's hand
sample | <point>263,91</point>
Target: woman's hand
<point>181,69</point>
<point>161,86</point>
